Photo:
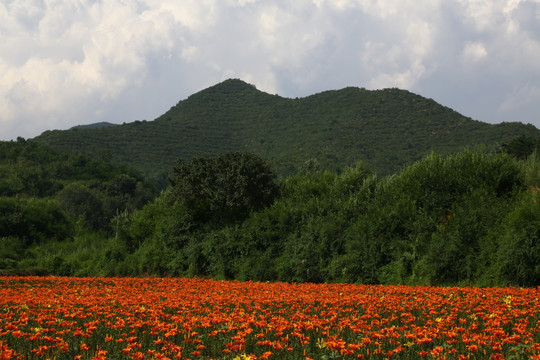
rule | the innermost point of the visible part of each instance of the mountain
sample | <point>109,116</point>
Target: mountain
<point>98,125</point>
<point>387,129</point>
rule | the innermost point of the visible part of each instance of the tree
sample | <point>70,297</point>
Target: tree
<point>519,250</point>
<point>223,188</point>
<point>32,220</point>
<point>80,201</point>
<point>522,146</point>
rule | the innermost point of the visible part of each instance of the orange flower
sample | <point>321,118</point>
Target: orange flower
<point>163,318</point>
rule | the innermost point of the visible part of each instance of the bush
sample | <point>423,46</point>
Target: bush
<point>518,258</point>
<point>33,220</point>
<point>224,188</point>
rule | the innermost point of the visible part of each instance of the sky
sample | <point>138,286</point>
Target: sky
<point>71,62</point>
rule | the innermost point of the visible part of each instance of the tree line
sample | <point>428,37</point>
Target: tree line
<point>471,218</point>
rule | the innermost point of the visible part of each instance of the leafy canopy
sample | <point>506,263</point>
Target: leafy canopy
<point>225,187</point>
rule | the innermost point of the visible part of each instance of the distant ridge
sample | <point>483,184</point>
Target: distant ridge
<point>387,129</point>
<point>98,125</point>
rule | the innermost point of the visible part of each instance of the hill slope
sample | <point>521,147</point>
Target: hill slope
<point>385,128</point>
<point>98,125</point>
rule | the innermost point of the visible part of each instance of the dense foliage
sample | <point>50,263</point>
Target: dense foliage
<point>468,218</point>
<point>48,196</point>
<point>224,188</point>
<point>522,146</point>
<point>387,129</point>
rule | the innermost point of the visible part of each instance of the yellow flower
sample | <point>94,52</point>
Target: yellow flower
<point>243,357</point>
<point>320,343</point>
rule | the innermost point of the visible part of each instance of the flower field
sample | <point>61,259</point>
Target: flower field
<point>118,318</point>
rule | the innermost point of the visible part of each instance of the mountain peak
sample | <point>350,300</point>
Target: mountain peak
<point>234,83</point>
<point>98,125</point>
<point>227,87</point>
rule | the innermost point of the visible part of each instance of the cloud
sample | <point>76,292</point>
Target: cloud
<point>68,63</point>
<point>520,97</point>
<point>473,52</point>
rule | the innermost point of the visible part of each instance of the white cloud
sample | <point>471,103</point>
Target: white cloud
<point>82,53</point>
<point>399,58</point>
<point>474,51</point>
<point>484,15</point>
<point>67,63</point>
<point>196,15</point>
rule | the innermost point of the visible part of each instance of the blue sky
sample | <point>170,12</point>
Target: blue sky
<point>64,63</point>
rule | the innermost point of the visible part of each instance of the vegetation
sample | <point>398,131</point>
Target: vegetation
<point>471,218</point>
<point>522,146</point>
<point>387,129</point>
<point>49,197</point>
<point>181,318</point>
<point>98,125</point>
<point>224,188</point>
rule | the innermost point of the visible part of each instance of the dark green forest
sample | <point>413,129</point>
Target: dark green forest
<point>49,197</point>
<point>387,129</point>
<point>467,218</point>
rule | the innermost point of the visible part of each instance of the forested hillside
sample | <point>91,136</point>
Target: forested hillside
<point>387,129</point>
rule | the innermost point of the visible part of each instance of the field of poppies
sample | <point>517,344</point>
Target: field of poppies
<point>120,318</point>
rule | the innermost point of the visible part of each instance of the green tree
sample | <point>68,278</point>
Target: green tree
<point>522,146</point>
<point>223,188</point>
<point>518,257</point>
<point>79,201</point>
<point>32,220</point>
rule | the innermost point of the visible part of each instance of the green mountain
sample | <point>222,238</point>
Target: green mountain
<point>98,125</point>
<point>387,129</point>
